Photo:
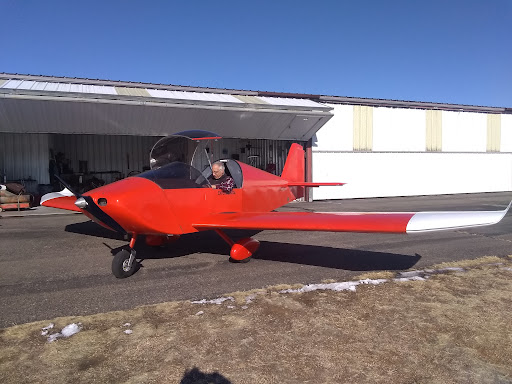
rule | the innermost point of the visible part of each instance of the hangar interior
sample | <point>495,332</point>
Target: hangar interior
<point>86,161</point>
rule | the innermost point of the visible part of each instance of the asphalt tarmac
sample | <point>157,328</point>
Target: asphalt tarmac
<point>59,265</point>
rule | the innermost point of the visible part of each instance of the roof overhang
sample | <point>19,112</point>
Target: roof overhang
<point>33,106</point>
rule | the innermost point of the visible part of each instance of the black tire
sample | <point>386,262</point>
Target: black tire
<point>246,260</point>
<point>119,265</point>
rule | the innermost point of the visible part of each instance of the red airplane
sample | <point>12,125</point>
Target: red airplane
<point>175,198</point>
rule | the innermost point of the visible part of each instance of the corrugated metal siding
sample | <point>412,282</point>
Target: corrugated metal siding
<point>25,157</point>
<point>66,117</point>
<point>46,86</point>
<point>434,126</point>
<point>363,128</point>
<point>256,152</point>
<point>58,87</point>
<point>493,133</point>
<point>290,102</point>
<point>180,95</point>
<point>105,153</point>
<point>132,91</point>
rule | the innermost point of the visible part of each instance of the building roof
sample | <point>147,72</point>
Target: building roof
<point>31,104</point>
<point>137,89</point>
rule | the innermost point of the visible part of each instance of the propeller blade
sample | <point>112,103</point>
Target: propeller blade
<point>66,185</point>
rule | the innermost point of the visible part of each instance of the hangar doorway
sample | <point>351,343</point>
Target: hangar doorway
<point>89,161</point>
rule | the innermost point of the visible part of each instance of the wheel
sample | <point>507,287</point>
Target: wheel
<point>246,260</point>
<point>120,267</point>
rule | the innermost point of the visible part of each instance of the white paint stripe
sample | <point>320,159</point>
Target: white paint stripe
<point>55,195</point>
<point>438,221</point>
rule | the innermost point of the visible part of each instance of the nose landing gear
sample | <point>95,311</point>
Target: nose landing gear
<point>124,263</point>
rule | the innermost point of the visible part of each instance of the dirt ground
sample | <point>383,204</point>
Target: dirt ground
<point>450,327</point>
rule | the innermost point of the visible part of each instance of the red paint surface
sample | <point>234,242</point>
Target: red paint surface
<point>312,221</point>
<point>64,202</point>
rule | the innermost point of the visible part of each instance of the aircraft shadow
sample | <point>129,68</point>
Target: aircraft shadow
<point>336,258</point>
<point>90,228</point>
<point>210,242</point>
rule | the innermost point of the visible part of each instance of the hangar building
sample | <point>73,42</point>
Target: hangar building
<point>104,130</point>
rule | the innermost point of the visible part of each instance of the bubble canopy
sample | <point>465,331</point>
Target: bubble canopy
<point>175,160</point>
<point>182,147</point>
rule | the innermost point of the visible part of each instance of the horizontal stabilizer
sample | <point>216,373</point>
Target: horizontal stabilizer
<point>64,199</point>
<point>383,222</point>
<point>306,184</point>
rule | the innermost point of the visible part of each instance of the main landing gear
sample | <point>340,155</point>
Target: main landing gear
<point>242,250</point>
<point>124,263</point>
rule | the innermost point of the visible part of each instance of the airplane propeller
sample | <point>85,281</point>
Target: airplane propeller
<point>87,204</point>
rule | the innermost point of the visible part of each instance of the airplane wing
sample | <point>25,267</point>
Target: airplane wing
<point>384,222</point>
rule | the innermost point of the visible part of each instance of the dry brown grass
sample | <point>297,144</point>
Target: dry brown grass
<point>453,328</point>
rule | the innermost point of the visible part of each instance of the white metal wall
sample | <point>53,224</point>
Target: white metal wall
<point>464,132</point>
<point>399,129</point>
<point>506,133</point>
<point>399,165</point>
<point>337,134</point>
<point>410,174</point>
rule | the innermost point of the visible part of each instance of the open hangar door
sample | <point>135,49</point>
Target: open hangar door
<point>106,129</point>
<point>89,161</point>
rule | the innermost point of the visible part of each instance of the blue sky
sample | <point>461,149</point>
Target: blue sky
<point>452,51</point>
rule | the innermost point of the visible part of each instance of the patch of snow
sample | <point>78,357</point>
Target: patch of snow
<point>54,337</point>
<point>199,313</point>
<point>71,329</point>
<point>245,307</point>
<point>412,278</point>
<point>337,287</point>
<point>219,300</point>
<point>451,269</point>
<point>44,333</point>
<point>126,324</point>
<point>249,299</point>
<point>49,326</point>
<point>411,273</point>
<point>128,331</point>
<point>67,331</point>
<point>373,282</point>
<point>230,307</point>
<point>506,269</point>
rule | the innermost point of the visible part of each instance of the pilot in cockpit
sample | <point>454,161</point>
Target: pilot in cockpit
<point>219,179</point>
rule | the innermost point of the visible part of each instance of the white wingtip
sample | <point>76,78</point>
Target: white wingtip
<point>438,221</point>
<point>54,195</point>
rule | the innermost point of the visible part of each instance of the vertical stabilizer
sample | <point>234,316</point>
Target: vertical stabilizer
<point>294,169</point>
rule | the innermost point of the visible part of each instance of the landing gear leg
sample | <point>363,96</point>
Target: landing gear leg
<point>242,250</point>
<point>124,263</point>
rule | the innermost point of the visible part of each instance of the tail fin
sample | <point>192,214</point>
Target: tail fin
<point>294,168</point>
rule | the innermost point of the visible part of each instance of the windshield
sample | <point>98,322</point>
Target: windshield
<point>176,175</point>
<point>189,147</point>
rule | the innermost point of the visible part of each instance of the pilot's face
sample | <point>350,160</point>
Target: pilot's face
<point>217,171</point>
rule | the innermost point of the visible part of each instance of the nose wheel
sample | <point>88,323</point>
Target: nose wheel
<point>124,263</point>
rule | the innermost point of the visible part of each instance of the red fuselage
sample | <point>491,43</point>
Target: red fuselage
<point>141,206</point>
